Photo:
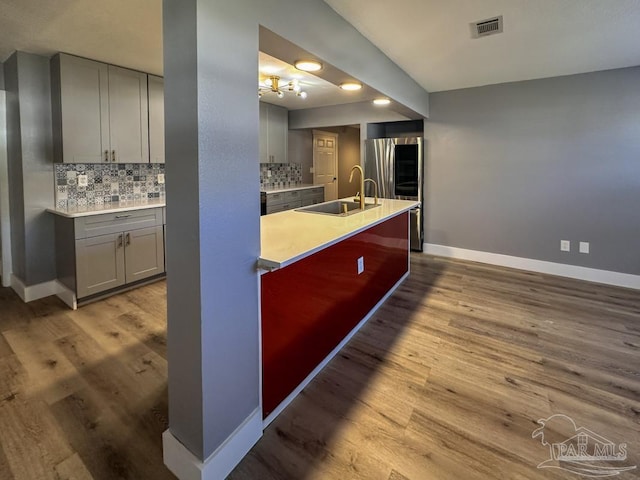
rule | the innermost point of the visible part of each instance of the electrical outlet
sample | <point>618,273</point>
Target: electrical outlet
<point>310,169</point>
<point>360,265</point>
<point>565,245</point>
<point>83,181</point>
<point>584,247</point>
<point>160,178</point>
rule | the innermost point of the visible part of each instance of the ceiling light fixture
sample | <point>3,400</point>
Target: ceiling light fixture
<point>308,65</point>
<point>272,85</point>
<point>351,86</point>
<point>382,101</point>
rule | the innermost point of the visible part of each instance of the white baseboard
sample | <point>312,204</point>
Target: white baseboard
<point>67,295</point>
<point>186,466</point>
<point>33,292</point>
<point>328,358</point>
<point>540,266</point>
<point>42,290</point>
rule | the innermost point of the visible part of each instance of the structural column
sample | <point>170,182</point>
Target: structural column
<point>213,237</point>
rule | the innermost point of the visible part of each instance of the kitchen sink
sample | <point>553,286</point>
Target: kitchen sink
<point>338,208</point>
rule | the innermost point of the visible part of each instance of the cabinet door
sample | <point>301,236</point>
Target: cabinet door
<point>278,125</point>
<point>81,109</point>
<point>264,133</point>
<point>144,253</point>
<point>128,116</point>
<point>99,264</point>
<point>156,119</point>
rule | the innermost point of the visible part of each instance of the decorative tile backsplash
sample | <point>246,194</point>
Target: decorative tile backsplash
<point>106,183</point>
<point>282,174</point>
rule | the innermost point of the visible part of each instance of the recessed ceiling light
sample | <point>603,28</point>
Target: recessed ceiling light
<point>308,65</point>
<point>351,86</point>
<point>382,101</point>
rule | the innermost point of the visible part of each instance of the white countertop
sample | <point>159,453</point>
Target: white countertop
<point>289,236</point>
<point>302,186</point>
<point>76,212</point>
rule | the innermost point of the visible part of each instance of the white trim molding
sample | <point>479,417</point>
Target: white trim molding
<point>33,292</point>
<point>186,466</point>
<point>67,295</point>
<point>595,275</point>
<point>5,215</point>
<point>42,290</point>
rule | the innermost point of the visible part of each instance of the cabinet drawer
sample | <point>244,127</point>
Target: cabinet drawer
<point>107,223</point>
<point>284,206</point>
<point>313,192</point>
<point>292,195</point>
<point>275,199</point>
<point>275,208</point>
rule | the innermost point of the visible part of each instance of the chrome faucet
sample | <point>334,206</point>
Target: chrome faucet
<point>361,193</point>
<point>375,189</point>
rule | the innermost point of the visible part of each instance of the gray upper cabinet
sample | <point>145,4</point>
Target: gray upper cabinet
<point>100,112</point>
<point>156,119</point>
<point>274,127</point>
<point>128,116</point>
<point>80,107</point>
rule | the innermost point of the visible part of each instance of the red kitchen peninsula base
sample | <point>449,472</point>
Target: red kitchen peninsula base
<point>310,306</point>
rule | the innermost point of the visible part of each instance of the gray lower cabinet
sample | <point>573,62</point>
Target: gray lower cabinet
<point>311,196</point>
<point>287,200</point>
<point>99,264</point>
<point>102,252</point>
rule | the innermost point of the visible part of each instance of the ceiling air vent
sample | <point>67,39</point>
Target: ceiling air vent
<point>486,27</point>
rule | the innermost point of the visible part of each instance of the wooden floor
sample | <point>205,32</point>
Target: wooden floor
<point>446,381</point>
<point>83,394</point>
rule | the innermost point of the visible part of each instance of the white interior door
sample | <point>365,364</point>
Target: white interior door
<point>325,163</point>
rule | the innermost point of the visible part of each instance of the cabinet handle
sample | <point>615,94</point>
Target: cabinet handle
<point>113,155</point>
<point>106,155</point>
<point>120,241</point>
<point>123,216</point>
<point>128,239</point>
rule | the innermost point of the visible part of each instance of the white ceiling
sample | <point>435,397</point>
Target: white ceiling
<point>122,32</point>
<point>430,39</point>
<point>320,92</point>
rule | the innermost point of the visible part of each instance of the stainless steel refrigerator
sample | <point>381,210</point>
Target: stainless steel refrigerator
<point>396,164</point>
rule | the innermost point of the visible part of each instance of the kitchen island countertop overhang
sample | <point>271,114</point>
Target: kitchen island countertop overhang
<point>289,236</point>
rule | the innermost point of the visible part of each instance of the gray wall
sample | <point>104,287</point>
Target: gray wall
<point>14,167</point>
<point>300,150</point>
<point>212,151</point>
<point>515,168</point>
<point>30,166</point>
<point>337,115</point>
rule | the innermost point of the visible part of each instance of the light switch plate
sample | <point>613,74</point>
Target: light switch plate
<point>360,265</point>
<point>565,245</point>
<point>161,178</point>
<point>83,181</point>
<point>584,247</point>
